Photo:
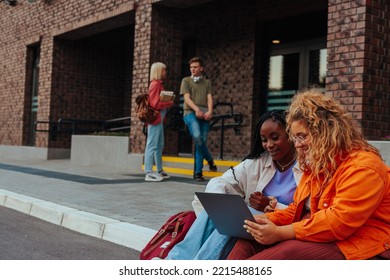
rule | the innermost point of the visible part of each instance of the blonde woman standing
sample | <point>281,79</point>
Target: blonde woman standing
<point>155,136</point>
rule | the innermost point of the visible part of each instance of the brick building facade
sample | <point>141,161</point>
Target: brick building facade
<point>88,60</point>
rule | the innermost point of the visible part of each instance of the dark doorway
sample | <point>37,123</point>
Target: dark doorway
<point>184,139</point>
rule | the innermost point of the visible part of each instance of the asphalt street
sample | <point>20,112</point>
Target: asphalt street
<point>28,238</point>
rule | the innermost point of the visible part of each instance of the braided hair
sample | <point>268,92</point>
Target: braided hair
<point>257,148</point>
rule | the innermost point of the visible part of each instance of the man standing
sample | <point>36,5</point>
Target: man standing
<point>198,110</point>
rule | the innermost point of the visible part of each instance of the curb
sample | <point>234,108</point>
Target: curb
<point>125,234</point>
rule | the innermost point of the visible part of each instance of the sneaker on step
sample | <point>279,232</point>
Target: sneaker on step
<point>164,174</point>
<point>150,177</point>
<point>212,166</point>
<point>199,177</point>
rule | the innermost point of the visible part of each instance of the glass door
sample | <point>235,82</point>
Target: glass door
<point>293,67</point>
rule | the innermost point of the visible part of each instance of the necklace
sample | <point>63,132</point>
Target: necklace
<point>284,166</point>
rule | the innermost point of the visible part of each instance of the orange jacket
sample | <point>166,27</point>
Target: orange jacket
<point>353,210</point>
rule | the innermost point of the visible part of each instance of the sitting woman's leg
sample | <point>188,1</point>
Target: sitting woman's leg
<point>286,250</point>
<point>212,247</point>
<point>244,249</point>
<point>300,250</point>
<point>200,230</point>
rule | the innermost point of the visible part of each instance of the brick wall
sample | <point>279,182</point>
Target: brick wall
<point>28,24</point>
<point>96,56</point>
<point>358,63</point>
<point>142,37</point>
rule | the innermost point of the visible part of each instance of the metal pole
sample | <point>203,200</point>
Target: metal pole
<point>222,135</point>
<point>194,158</point>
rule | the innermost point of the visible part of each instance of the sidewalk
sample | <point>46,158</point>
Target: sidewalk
<point>106,203</point>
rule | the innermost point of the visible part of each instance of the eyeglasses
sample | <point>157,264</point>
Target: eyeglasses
<point>299,139</point>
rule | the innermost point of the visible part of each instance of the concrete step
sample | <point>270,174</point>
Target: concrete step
<point>185,166</point>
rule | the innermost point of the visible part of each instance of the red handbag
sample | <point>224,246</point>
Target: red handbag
<point>171,233</point>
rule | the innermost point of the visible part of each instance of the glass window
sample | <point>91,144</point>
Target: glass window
<point>317,67</point>
<point>34,93</point>
<point>283,80</point>
<point>294,68</point>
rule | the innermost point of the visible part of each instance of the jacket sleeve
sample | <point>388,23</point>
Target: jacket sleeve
<point>155,89</point>
<point>357,192</point>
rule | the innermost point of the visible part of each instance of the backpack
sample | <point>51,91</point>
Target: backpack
<point>171,233</point>
<point>145,112</point>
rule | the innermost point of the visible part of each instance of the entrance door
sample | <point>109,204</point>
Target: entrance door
<point>293,67</point>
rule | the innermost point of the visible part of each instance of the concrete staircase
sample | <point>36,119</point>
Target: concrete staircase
<point>185,166</point>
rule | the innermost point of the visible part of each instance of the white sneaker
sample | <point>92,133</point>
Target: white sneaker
<point>164,174</point>
<point>153,177</point>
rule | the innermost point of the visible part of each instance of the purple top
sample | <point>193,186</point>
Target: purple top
<point>282,186</point>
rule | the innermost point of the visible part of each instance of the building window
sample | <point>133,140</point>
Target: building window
<point>293,67</point>
<point>31,97</point>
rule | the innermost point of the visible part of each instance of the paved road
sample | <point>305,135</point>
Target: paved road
<point>27,238</point>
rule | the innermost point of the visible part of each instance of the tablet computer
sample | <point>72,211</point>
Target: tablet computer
<point>228,212</point>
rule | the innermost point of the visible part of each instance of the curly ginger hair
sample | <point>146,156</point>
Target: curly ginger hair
<point>333,134</point>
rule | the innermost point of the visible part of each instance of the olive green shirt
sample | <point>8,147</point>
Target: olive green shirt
<point>198,92</point>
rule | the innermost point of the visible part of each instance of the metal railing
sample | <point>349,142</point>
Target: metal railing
<point>225,121</point>
<point>228,120</point>
<point>80,126</point>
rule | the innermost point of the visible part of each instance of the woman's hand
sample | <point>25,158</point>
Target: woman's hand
<point>258,201</point>
<point>271,205</point>
<point>266,232</point>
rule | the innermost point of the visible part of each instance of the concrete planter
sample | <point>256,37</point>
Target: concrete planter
<point>32,153</point>
<point>97,150</point>
<point>384,147</point>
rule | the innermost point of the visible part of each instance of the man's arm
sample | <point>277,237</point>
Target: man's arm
<point>209,114</point>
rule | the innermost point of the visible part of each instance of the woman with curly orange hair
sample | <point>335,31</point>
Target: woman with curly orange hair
<point>341,207</point>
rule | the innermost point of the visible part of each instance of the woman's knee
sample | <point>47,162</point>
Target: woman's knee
<point>243,249</point>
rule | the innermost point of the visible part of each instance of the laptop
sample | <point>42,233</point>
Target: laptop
<point>228,212</point>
